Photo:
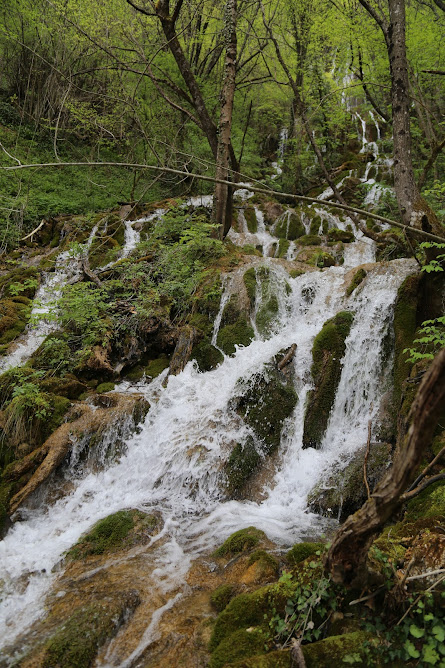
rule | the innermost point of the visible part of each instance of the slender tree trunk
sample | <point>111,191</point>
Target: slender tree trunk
<point>223,199</point>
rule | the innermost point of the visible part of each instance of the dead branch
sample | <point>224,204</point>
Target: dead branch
<point>427,469</point>
<point>34,231</point>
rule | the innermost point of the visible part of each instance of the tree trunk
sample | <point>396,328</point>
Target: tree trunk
<point>222,201</point>
<point>346,559</point>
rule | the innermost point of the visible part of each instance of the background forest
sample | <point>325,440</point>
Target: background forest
<point>82,82</point>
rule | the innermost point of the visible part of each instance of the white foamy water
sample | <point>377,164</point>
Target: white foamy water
<point>67,268</point>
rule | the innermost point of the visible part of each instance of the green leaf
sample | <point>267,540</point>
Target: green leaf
<point>410,648</point>
<point>416,632</point>
<point>430,655</point>
<point>439,633</point>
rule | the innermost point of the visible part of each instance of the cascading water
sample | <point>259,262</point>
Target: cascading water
<point>173,464</point>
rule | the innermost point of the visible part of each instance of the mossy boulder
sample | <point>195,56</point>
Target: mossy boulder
<point>243,461</point>
<point>77,641</point>
<point>301,551</point>
<point>222,596</point>
<point>332,650</point>
<point>251,219</point>
<point>14,316</point>
<point>105,387</point>
<point>250,283</point>
<point>115,532</point>
<point>344,491</point>
<point>155,367</point>
<point>240,644</point>
<point>327,354</point>
<point>207,356</point>
<point>235,328</point>
<point>238,334</point>
<point>266,315</point>
<point>283,247</point>
<point>265,402</point>
<point>289,226</point>
<point>357,279</point>
<point>240,541</point>
<point>279,659</point>
<point>309,240</point>
<point>335,234</point>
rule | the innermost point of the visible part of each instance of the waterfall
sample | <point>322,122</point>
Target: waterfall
<point>172,465</point>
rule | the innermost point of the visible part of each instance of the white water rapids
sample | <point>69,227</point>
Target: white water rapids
<point>173,464</point>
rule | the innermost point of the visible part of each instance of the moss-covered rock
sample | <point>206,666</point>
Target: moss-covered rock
<point>239,333</point>
<point>344,491</point>
<point>301,551</point>
<point>309,240</point>
<point>251,219</point>
<point>222,596</point>
<point>243,461</point>
<point>335,234</point>
<point>155,367</point>
<point>289,226</point>
<point>332,651</point>
<point>77,641</point>
<point>265,403</point>
<point>250,283</point>
<point>115,532</point>
<point>279,659</point>
<point>266,315</point>
<point>327,353</point>
<point>14,316</point>
<point>240,541</point>
<point>207,356</point>
<point>105,387</point>
<point>240,644</point>
<point>358,278</point>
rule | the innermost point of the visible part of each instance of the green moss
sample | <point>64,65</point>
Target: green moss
<point>157,366</point>
<point>266,403</point>
<point>289,226</point>
<point>240,541</point>
<point>302,551</point>
<point>104,387</point>
<point>334,234</point>
<point>295,273</point>
<point>327,353</point>
<point>6,491</point>
<point>283,247</point>
<point>266,316</point>
<point>322,259</point>
<point>331,651</point>
<point>309,240</point>
<point>59,407</point>
<point>240,644</point>
<point>242,462</point>
<point>264,560</point>
<point>358,278</point>
<point>249,279</point>
<point>279,659</point>
<point>238,333</point>
<point>113,533</point>
<point>315,226</point>
<point>405,323</point>
<point>430,503</point>
<point>76,641</point>
<point>207,356</point>
<point>14,316</point>
<point>251,219</point>
<point>222,596</point>
<point>243,611</point>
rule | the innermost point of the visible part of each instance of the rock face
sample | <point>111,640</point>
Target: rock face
<point>83,419</point>
<point>344,491</point>
<point>327,353</point>
<point>264,406</point>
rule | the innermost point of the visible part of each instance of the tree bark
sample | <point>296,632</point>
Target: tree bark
<point>346,559</point>
<point>222,200</point>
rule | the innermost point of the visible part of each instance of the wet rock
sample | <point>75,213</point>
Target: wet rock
<point>271,211</point>
<point>327,352</point>
<point>358,278</point>
<point>56,448</point>
<point>183,349</point>
<point>344,491</point>
<point>207,356</point>
<point>265,403</point>
<point>335,234</point>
